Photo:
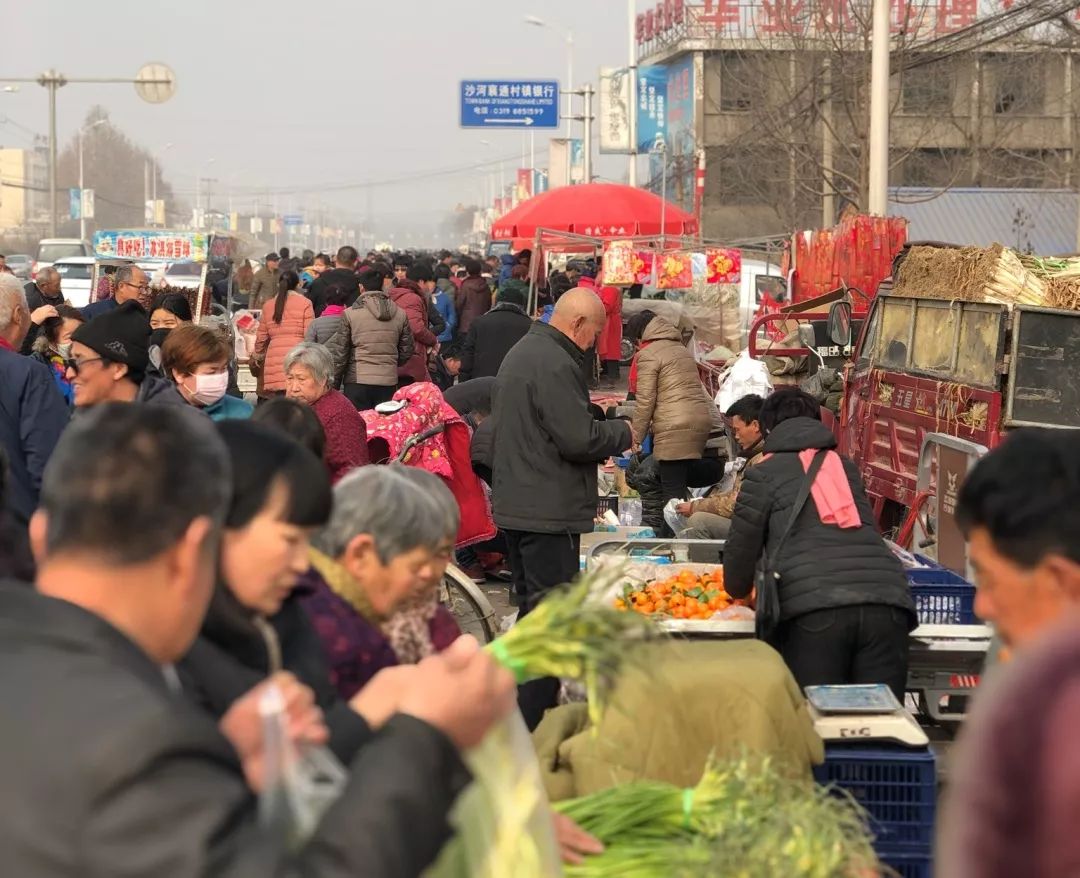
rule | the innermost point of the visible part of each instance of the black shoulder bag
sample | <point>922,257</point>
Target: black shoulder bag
<point>767,615</point>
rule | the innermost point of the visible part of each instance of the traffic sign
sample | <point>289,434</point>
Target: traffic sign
<point>509,103</point>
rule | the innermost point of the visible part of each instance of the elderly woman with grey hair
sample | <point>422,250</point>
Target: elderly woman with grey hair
<point>309,376</point>
<point>372,592</point>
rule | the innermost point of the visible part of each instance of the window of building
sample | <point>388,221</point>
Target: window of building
<point>926,90</point>
<point>738,84</point>
<point>933,167</point>
<point>1020,86</point>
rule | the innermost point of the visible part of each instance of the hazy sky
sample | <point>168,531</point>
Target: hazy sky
<point>306,94</point>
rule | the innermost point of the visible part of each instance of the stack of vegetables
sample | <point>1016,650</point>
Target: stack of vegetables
<point>743,818</point>
<point>686,595</point>
<point>1061,279</point>
<point>502,819</point>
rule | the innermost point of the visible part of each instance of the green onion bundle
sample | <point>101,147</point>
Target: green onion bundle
<point>743,818</point>
<point>574,633</point>
<point>503,819</point>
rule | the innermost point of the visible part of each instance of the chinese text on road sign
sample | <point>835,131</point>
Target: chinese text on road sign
<point>509,103</point>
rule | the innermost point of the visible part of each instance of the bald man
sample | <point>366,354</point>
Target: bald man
<point>546,449</point>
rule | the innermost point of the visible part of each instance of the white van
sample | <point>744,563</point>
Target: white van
<point>758,278</point>
<point>50,250</point>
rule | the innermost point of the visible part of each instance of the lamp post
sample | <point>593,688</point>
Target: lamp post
<point>154,174</point>
<point>659,148</point>
<point>536,21</point>
<point>198,193</point>
<point>82,216</point>
<point>154,83</point>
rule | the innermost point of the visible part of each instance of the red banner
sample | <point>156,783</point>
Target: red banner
<point>675,271</point>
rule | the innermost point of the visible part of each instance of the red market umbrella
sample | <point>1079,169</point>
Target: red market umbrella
<point>601,210</point>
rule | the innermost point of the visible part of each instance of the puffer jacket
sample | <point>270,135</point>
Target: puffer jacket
<point>379,340</point>
<point>473,300</point>
<point>331,330</point>
<point>821,566</point>
<point>670,397</point>
<point>274,340</point>
<point>408,297</point>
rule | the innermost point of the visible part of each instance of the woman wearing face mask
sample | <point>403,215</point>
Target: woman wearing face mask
<point>196,358</point>
<point>53,346</point>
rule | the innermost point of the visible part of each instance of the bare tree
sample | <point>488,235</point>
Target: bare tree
<point>789,103</point>
<point>113,166</point>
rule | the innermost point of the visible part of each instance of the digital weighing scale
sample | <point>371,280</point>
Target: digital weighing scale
<point>854,714</point>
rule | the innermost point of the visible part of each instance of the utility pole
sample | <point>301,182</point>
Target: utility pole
<point>632,98</point>
<point>878,196</point>
<point>154,83</point>
<point>587,119</point>
<point>828,193</point>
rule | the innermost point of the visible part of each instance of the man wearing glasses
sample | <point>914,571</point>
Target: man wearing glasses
<point>109,358</point>
<point>131,284</point>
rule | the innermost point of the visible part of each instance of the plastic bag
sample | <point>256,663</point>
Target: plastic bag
<point>299,786</point>
<point>677,523</point>
<point>746,376</point>
<point>502,821</point>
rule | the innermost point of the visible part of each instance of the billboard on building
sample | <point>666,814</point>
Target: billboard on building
<point>679,133</point>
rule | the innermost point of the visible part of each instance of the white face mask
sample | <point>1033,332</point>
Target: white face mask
<point>64,350</point>
<point>210,388</point>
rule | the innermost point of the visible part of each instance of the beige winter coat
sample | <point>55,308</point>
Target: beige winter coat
<point>671,401</point>
<point>275,340</point>
<point>379,340</point>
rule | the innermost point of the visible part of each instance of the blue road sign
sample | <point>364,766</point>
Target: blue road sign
<point>510,103</point>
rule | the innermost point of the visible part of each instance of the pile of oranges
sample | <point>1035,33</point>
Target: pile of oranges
<point>686,595</point>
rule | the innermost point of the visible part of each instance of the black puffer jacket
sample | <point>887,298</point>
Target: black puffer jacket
<point>821,566</point>
<point>643,475</point>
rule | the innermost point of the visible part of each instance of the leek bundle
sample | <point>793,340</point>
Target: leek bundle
<point>503,819</point>
<point>743,818</point>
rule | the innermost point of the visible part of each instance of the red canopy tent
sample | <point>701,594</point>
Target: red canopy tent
<point>601,210</point>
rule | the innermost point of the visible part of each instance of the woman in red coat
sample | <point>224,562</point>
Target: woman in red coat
<point>609,348</point>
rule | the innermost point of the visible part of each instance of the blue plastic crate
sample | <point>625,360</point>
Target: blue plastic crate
<point>941,596</point>
<point>909,863</point>
<point>897,787</point>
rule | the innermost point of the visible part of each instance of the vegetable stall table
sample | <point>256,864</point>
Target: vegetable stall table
<point>947,651</point>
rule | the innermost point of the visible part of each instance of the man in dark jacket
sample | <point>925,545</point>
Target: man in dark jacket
<point>33,413</point>
<point>343,274</point>
<point>845,605</point>
<point>43,297</point>
<point>171,791</point>
<point>491,336</point>
<point>473,296</point>
<point>132,285</point>
<point>546,449</point>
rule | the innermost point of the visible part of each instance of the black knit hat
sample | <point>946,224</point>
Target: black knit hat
<point>121,335</point>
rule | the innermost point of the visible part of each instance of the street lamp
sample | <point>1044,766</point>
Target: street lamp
<point>659,148</point>
<point>536,21</point>
<point>82,201</point>
<point>154,174</point>
<point>198,193</point>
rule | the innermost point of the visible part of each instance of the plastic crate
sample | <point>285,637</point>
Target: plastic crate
<point>897,787</point>
<point>909,863</point>
<point>941,596</point>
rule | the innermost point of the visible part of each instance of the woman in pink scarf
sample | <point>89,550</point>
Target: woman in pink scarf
<point>845,605</point>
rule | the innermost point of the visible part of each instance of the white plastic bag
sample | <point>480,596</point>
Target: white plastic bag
<point>298,787</point>
<point>676,522</point>
<point>503,816</point>
<point>746,376</point>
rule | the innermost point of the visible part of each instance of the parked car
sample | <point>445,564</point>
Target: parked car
<point>184,274</point>
<point>20,265</point>
<point>75,274</point>
<point>52,250</point>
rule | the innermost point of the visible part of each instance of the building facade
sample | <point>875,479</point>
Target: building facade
<point>779,107</point>
<point>24,184</point>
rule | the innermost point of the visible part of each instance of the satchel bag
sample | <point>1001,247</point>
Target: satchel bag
<point>767,614</point>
